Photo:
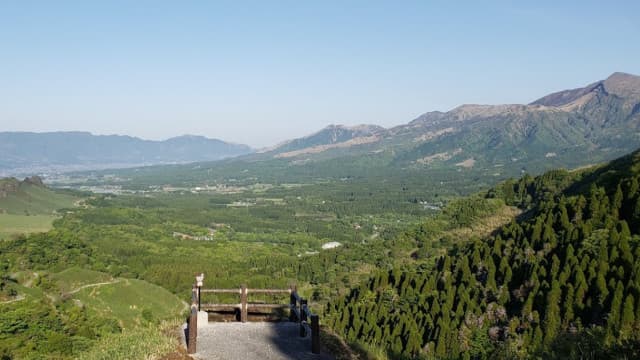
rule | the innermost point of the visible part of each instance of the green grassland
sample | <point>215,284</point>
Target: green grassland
<point>37,200</point>
<point>149,342</point>
<point>73,278</point>
<point>11,224</point>
<point>30,208</point>
<point>132,302</point>
<point>81,313</point>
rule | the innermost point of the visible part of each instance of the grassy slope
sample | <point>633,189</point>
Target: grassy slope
<point>144,343</point>
<point>35,200</point>
<point>39,203</point>
<point>123,300</point>
<point>73,278</point>
<point>20,224</point>
<point>127,299</point>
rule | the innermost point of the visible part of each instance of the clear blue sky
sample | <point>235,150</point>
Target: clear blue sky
<point>261,72</point>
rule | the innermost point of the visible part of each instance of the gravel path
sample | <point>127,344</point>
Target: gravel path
<point>255,341</point>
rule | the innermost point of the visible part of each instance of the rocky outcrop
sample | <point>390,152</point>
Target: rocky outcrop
<point>34,180</point>
<point>8,186</point>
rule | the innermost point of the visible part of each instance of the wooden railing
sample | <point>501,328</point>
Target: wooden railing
<point>244,305</point>
<point>298,311</point>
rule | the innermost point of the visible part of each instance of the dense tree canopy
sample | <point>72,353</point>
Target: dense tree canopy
<point>569,267</point>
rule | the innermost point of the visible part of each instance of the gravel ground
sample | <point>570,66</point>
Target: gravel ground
<point>255,341</point>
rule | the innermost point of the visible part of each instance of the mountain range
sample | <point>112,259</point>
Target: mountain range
<point>25,152</point>
<point>568,128</point>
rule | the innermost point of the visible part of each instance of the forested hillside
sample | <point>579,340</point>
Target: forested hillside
<point>561,281</point>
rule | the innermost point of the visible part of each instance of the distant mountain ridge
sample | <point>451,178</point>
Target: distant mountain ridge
<point>26,152</point>
<point>568,128</point>
<point>625,86</point>
<point>332,134</point>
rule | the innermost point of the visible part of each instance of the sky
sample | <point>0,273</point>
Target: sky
<point>262,72</point>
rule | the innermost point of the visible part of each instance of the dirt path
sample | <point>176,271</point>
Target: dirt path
<point>255,341</point>
<point>18,298</point>
<point>93,285</point>
<point>29,282</point>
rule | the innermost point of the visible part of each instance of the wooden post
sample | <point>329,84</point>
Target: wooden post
<point>243,303</point>
<point>303,307</point>
<point>303,317</point>
<point>194,294</point>
<point>315,334</point>
<point>193,322</point>
<point>292,303</point>
<point>193,330</point>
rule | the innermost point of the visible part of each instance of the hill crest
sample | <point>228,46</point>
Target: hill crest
<point>12,186</point>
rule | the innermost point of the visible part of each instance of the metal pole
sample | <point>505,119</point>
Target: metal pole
<point>199,283</point>
<point>315,334</point>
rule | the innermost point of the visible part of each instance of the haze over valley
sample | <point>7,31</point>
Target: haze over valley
<point>557,130</point>
<point>322,208</point>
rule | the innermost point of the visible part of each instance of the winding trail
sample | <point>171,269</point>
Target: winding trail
<point>22,297</point>
<point>18,298</point>
<point>93,285</point>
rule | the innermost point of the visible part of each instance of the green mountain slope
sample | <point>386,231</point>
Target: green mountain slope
<point>64,315</point>
<point>327,138</point>
<point>568,128</point>
<point>467,148</point>
<point>563,281</point>
<point>132,302</point>
<point>30,196</point>
<point>29,206</point>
